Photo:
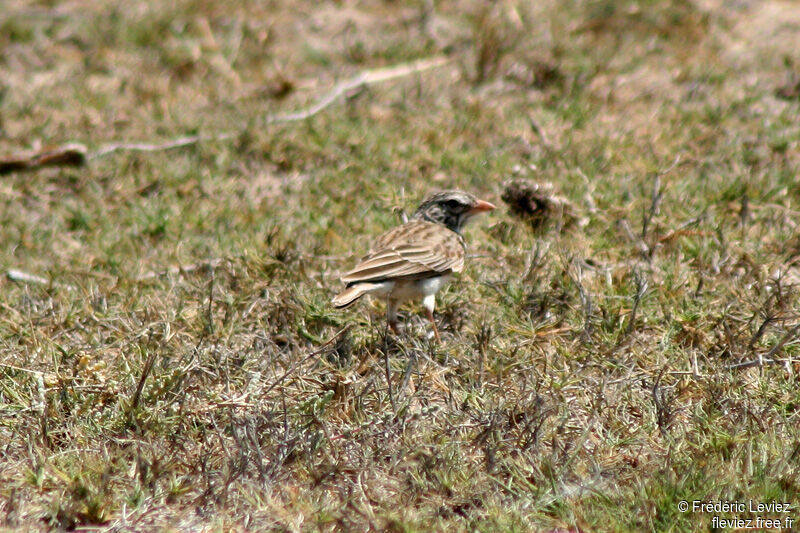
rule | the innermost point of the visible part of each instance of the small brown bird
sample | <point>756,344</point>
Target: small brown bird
<point>415,260</point>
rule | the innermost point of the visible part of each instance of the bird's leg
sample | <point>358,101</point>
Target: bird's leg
<point>391,315</point>
<point>428,302</point>
<point>433,323</point>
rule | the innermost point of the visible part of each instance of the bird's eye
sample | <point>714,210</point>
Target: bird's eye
<point>453,204</point>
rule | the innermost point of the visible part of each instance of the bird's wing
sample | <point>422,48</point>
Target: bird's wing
<point>414,250</point>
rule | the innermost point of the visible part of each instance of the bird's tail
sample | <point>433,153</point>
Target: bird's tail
<point>351,294</point>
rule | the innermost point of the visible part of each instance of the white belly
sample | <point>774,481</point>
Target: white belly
<point>418,289</point>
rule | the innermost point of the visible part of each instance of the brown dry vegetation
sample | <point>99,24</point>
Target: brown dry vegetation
<point>176,364</point>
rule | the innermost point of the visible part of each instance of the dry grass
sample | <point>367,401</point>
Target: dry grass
<point>180,366</point>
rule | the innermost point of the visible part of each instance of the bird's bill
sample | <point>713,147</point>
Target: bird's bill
<point>481,207</point>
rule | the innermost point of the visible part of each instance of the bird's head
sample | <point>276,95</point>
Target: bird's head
<point>451,209</point>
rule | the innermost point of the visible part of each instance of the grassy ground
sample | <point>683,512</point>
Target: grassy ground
<point>587,380</point>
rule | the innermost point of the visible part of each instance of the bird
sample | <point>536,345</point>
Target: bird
<point>413,261</point>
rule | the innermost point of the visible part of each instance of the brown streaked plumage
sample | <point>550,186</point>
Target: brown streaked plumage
<point>415,260</point>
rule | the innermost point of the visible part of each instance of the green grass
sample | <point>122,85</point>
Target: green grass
<point>175,372</point>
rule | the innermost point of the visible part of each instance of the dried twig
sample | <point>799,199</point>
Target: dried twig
<point>792,333</point>
<point>640,245</point>
<point>655,203</point>
<point>21,369</point>
<point>768,358</point>
<point>146,369</point>
<point>210,308</point>
<point>586,299</point>
<point>670,168</point>
<point>757,362</point>
<point>72,154</point>
<point>18,276</point>
<point>641,288</point>
<point>367,77</point>
<point>150,147</point>
<point>412,359</point>
<point>663,403</point>
<point>387,369</point>
<point>761,330</point>
<point>364,78</point>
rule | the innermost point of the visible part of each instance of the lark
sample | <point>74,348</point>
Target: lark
<point>415,260</point>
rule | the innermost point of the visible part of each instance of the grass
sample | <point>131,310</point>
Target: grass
<point>183,369</point>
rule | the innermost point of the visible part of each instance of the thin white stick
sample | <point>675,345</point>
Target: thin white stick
<point>155,147</point>
<point>24,277</point>
<point>367,77</point>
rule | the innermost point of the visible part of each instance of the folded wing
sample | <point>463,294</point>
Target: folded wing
<point>414,250</point>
